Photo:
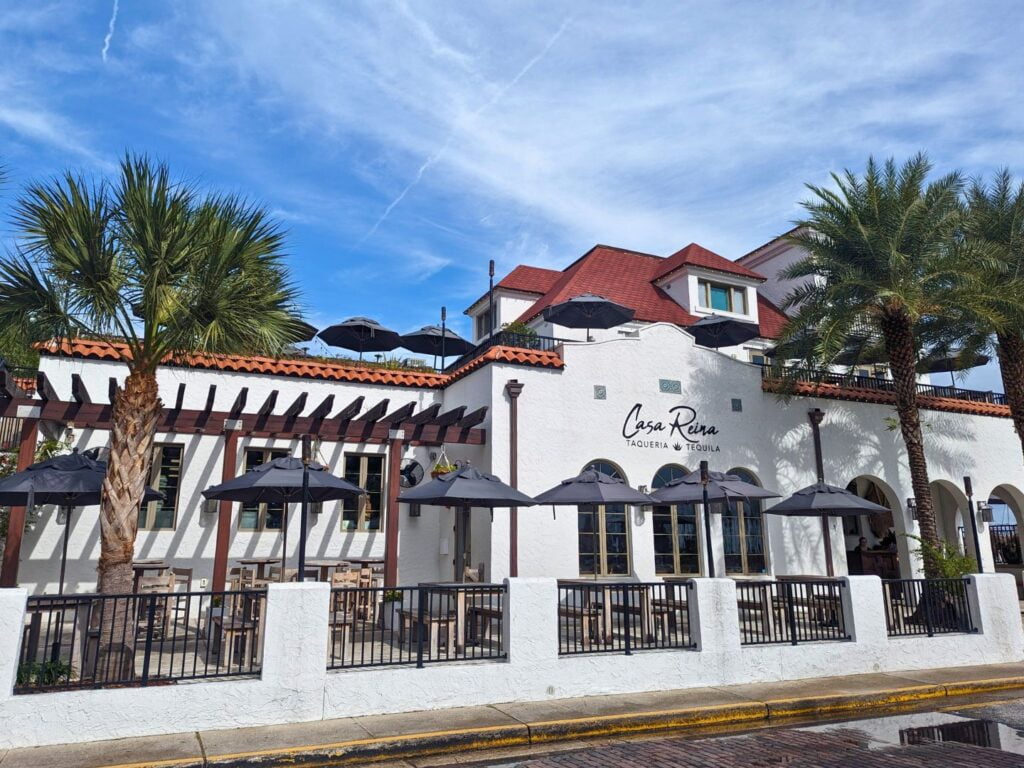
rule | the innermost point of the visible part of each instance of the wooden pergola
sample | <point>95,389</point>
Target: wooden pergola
<point>331,420</point>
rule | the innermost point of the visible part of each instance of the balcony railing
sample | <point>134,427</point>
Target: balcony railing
<point>790,611</point>
<point>926,607</point>
<point>1005,544</point>
<point>507,339</point>
<point>876,384</point>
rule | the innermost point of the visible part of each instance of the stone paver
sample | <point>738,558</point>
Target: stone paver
<point>437,720</point>
<point>181,746</point>
<point>273,737</point>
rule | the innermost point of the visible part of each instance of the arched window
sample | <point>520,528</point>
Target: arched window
<point>604,532</point>
<point>676,541</point>
<point>743,532</point>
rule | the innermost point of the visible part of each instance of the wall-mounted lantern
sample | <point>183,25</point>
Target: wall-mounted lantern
<point>912,507</point>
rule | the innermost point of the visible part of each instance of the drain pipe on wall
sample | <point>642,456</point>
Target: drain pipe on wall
<point>513,389</point>
<point>815,415</point>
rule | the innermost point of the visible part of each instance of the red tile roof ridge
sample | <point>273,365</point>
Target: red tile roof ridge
<point>696,255</point>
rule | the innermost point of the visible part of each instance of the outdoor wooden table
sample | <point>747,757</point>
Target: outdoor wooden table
<point>261,563</point>
<point>462,608</point>
<point>141,567</point>
<point>606,588</point>
<point>365,563</point>
<point>325,567</point>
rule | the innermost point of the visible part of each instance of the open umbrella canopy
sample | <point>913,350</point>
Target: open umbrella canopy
<point>305,332</point>
<point>822,499</point>
<point>950,361</point>
<point>361,334</point>
<point>593,487</point>
<point>721,487</point>
<point>428,341</point>
<point>716,331</point>
<point>71,480</point>
<point>467,487</point>
<point>588,311</point>
<point>280,481</point>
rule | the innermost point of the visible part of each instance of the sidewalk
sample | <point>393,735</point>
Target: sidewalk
<point>452,731</point>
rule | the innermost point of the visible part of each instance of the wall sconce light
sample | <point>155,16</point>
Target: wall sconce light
<point>912,507</point>
<point>414,510</point>
<point>985,510</point>
<point>210,506</point>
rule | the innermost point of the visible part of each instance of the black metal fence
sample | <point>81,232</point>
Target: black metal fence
<point>790,611</point>
<point>622,617</point>
<point>926,607</point>
<point>507,339</point>
<point>876,383</point>
<point>1005,544</point>
<point>99,641</point>
<point>376,626</point>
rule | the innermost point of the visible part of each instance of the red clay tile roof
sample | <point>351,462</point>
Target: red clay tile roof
<point>309,368</point>
<point>836,392</point>
<point>529,279</point>
<point>627,277</point>
<point>695,255</point>
<point>26,384</point>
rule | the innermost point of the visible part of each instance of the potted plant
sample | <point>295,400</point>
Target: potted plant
<point>442,467</point>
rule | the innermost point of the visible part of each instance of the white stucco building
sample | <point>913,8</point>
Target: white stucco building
<point>643,400</point>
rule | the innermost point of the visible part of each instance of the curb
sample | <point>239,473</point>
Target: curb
<point>363,751</point>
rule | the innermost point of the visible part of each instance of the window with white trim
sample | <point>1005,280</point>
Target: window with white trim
<point>366,512</point>
<point>743,532</point>
<point>262,516</point>
<point>676,542</point>
<point>721,297</point>
<point>164,476</point>
<point>603,533</point>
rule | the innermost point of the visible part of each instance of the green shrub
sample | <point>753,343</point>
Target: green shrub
<point>945,560</point>
<point>44,673</point>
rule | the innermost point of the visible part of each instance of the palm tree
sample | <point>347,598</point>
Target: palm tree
<point>149,263</point>
<point>995,222</point>
<point>881,256</point>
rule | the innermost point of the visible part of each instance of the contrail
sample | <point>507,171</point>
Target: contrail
<point>110,31</point>
<point>451,134</point>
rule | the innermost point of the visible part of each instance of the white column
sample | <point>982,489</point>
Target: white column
<point>864,609</point>
<point>12,623</point>
<point>531,621</point>
<point>714,617</point>
<point>994,608</point>
<point>295,643</point>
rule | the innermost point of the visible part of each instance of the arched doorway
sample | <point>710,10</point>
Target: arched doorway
<point>1007,503</point>
<point>603,532</point>
<point>873,542</point>
<point>743,532</point>
<point>949,504</point>
<point>676,538</point>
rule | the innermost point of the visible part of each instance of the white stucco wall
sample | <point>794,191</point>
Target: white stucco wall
<point>296,685</point>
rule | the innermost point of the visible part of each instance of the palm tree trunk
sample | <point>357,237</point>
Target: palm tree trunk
<point>897,328</point>
<point>1010,349</point>
<point>135,411</point>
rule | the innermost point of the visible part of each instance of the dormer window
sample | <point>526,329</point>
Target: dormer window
<point>722,298</point>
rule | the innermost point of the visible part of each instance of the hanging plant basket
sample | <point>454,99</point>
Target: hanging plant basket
<point>442,466</point>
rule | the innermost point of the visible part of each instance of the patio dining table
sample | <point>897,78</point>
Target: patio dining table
<point>598,593</point>
<point>472,615</point>
<point>261,563</point>
<point>325,565</point>
<point>142,567</point>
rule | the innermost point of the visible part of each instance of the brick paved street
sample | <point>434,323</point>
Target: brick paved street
<point>921,740</point>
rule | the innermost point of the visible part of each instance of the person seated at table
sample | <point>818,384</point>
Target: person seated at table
<point>862,545</point>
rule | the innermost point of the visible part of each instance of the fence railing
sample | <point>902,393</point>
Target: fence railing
<point>98,641</point>
<point>1005,544</point>
<point>375,626</point>
<point>926,607</point>
<point>507,339</point>
<point>790,611</point>
<point>876,383</point>
<point>622,617</point>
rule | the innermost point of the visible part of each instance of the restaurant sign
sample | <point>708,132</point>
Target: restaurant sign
<point>678,430</point>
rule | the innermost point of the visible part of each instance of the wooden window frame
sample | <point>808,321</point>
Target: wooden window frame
<point>149,510</point>
<point>704,296</point>
<point>363,500</point>
<point>269,454</point>
<point>741,516</point>
<point>600,515</point>
<point>674,518</point>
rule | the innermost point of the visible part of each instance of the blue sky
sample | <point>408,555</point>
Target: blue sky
<point>403,144</point>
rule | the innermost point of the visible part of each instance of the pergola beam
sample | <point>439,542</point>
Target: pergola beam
<point>426,415</point>
<point>351,410</point>
<point>474,418</point>
<point>78,390</point>
<point>296,408</point>
<point>323,410</point>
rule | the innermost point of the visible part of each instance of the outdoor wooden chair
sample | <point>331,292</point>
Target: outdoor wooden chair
<point>155,597</point>
<point>241,578</point>
<point>435,625</point>
<point>235,629</point>
<point>182,582</point>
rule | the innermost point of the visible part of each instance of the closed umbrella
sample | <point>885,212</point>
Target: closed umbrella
<point>716,331</point>
<point>286,480</point>
<point>705,486</point>
<point>588,311</point>
<point>593,487</point>
<point>466,487</point>
<point>361,334</point>
<point>71,480</point>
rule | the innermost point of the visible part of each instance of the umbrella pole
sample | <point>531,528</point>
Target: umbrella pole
<point>64,550</point>
<point>305,504</point>
<point>815,416</point>
<point>284,540</point>
<point>708,556</point>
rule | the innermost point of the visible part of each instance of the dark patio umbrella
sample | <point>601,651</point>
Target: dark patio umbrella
<point>716,331</point>
<point>948,361</point>
<point>705,487</point>
<point>71,480</point>
<point>592,486</point>
<point>361,334</point>
<point>286,480</point>
<point>466,487</point>
<point>588,311</point>
<point>306,332</point>
<point>436,341</point>
<point>821,500</point>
